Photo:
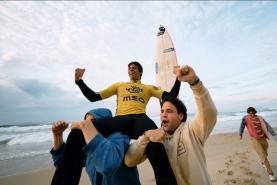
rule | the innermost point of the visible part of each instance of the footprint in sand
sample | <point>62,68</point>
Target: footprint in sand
<point>250,181</point>
<point>227,164</point>
<point>238,160</point>
<point>221,171</point>
<point>238,181</point>
<point>243,161</point>
<point>230,181</point>
<point>248,172</point>
<point>229,173</point>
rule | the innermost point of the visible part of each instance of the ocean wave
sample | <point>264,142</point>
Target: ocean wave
<point>7,156</point>
<point>24,129</point>
<point>232,116</point>
<point>37,137</point>
<point>40,133</point>
<point>5,140</point>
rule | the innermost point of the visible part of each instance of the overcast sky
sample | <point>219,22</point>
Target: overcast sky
<point>231,45</point>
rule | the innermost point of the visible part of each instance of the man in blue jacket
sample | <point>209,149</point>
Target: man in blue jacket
<point>104,156</point>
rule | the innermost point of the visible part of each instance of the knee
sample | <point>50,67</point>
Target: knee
<point>75,133</point>
<point>154,149</point>
<point>75,137</point>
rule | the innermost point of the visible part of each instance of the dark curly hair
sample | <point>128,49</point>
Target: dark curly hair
<point>181,108</point>
<point>251,110</point>
<point>140,69</point>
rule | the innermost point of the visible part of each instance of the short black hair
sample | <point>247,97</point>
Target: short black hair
<point>138,65</point>
<point>251,110</point>
<point>180,106</point>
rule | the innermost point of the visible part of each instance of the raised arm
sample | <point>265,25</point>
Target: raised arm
<point>206,115</point>
<point>89,93</point>
<point>174,91</point>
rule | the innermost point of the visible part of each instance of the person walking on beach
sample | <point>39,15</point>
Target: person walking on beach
<point>183,140</point>
<point>258,133</point>
<point>131,119</point>
<point>102,157</point>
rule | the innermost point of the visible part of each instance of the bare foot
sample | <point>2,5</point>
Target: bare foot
<point>59,127</point>
<point>57,130</point>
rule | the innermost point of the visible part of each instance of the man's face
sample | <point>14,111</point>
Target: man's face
<point>170,118</point>
<point>252,114</point>
<point>133,72</point>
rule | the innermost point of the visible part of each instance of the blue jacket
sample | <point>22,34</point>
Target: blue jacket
<point>105,161</point>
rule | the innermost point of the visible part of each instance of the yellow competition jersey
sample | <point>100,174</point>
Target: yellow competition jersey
<point>132,97</point>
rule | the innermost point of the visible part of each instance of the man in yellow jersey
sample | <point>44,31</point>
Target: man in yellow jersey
<point>132,96</point>
<point>130,119</point>
<point>183,140</point>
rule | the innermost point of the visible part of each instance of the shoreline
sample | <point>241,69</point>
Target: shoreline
<point>229,160</point>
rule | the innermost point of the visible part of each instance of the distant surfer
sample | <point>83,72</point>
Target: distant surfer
<point>131,119</point>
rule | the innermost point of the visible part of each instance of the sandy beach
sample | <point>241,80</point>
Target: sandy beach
<point>229,159</point>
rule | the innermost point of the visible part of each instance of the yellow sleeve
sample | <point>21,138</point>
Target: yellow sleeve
<point>156,92</point>
<point>108,92</point>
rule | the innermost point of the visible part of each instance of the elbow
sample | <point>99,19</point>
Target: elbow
<point>132,160</point>
<point>97,97</point>
<point>213,115</point>
<point>93,99</point>
<point>129,162</point>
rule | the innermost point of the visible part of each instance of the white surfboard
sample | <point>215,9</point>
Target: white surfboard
<point>165,60</point>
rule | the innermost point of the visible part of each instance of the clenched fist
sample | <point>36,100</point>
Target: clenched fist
<point>186,74</point>
<point>79,74</point>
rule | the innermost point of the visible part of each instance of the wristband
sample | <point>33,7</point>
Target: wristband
<point>195,81</point>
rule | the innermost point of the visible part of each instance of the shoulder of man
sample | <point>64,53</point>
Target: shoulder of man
<point>117,84</point>
<point>153,87</point>
<point>118,137</point>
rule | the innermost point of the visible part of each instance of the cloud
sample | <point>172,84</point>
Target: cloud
<point>231,45</point>
<point>36,88</point>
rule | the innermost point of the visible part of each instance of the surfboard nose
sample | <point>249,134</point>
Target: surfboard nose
<point>161,30</point>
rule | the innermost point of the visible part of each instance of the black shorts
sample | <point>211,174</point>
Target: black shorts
<point>132,125</point>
